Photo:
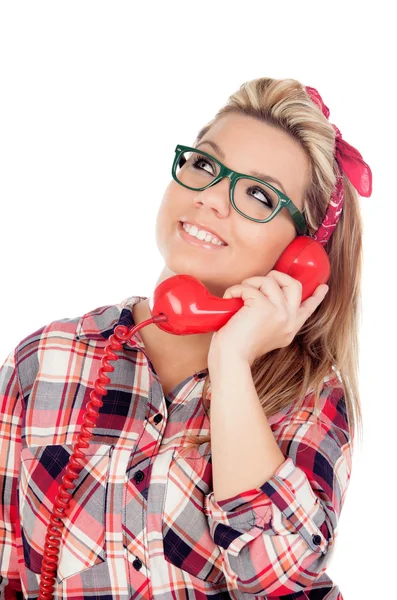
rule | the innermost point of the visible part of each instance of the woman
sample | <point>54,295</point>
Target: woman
<point>219,462</point>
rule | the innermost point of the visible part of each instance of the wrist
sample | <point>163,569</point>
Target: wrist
<point>221,363</point>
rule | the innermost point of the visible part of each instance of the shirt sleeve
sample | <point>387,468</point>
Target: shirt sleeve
<point>10,451</point>
<point>278,539</point>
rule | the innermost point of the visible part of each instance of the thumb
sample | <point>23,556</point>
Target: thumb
<point>228,294</point>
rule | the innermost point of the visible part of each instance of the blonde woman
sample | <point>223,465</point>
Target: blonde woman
<point>219,462</point>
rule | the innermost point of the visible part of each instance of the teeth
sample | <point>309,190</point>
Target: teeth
<point>202,234</point>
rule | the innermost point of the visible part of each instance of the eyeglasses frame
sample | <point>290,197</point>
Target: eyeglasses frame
<point>234,176</point>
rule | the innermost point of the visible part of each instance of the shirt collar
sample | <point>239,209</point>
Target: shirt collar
<point>100,323</point>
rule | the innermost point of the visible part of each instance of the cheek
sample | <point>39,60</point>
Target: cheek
<point>260,251</point>
<point>165,211</point>
<point>174,205</point>
<point>171,204</point>
<point>160,225</point>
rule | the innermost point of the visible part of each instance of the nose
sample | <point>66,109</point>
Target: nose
<point>216,196</point>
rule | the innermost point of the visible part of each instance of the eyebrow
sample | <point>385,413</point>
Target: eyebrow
<point>253,173</point>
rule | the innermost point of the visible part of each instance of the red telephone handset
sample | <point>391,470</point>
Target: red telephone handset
<point>181,305</point>
<point>190,308</point>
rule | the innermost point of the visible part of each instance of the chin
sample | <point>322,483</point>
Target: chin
<point>185,267</point>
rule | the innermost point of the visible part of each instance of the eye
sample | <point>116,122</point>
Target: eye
<point>264,194</point>
<point>203,160</point>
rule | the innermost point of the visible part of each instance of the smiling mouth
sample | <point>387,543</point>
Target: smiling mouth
<point>197,242</point>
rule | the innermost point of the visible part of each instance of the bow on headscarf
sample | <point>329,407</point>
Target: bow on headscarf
<point>350,159</point>
<point>352,164</point>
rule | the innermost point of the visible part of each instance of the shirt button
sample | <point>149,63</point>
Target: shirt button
<point>137,564</point>
<point>157,418</point>
<point>316,539</point>
<point>139,475</point>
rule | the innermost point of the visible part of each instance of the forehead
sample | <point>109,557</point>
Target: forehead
<point>250,144</point>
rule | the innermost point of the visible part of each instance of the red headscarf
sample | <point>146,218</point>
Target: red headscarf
<point>352,164</point>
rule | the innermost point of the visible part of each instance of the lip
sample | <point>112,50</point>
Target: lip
<point>200,226</point>
<point>196,242</point>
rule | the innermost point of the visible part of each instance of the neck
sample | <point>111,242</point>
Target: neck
<point>192,348</point>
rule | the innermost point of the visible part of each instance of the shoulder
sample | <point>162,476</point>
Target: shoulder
<point>52,343</point>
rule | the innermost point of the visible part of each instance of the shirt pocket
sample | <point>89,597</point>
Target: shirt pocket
<point>187,542</point>
<point>83,534</point>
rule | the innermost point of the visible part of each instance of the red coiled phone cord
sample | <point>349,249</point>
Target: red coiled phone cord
<point>73,468</point>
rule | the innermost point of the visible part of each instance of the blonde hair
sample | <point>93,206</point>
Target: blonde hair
<point>329,338</point>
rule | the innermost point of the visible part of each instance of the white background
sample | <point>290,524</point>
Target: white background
<point>87,90</point>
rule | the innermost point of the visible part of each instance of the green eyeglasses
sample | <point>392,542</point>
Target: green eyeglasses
<point>197,170</point>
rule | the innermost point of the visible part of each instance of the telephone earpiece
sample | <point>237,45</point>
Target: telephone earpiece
<point>190,308</point>
<point>306,260</point>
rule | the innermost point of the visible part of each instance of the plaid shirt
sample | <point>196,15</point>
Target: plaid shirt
<point>143,521</point>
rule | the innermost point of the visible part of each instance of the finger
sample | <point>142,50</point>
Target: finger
<point>290,287</point>
<point>269,287</point>
<point>246,292</point>
<point>309,306</point>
